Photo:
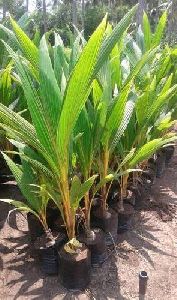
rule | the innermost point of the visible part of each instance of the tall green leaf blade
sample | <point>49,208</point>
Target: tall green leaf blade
<point>34,103</point>
<point>146,58</point>
<point>116,116</point>
<point>159,30</point>
<point>129,107</point>
<point>147,32</point>
<point>24,178</point>
<point>113,38</point>
<point>75,53</point>
<point>27,46</point>
<point>161,101</point>
<point>150,148</point>
<point>20,206</point>
<point>60,60</point>
<point>167,84</point>
<point>49,90</point>
<point>78,90</point>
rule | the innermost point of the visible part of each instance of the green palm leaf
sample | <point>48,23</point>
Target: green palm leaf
<point>147,32</point>
<point>116,115</point>
<point>24,179</point>
<point>26,45</point>
<point>150,148</point>
<point>159,30</point>
<point>78,90</point>
<point>20,206</point>
<point>78,190</point>
<point>50,93</point>
<point>38,114</point>
<point>110,41</point>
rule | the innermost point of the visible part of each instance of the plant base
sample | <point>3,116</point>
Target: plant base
<point>35,227</point>
<point>160,164</point>
<point>124,218</point>
<point>48,253</point>
<point>49,261</point>
<point>97,246</point>
<point>169,152</point>
<point>75,269</point>
<point>108,223</point>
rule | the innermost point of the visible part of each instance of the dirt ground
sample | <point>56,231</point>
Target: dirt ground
<point>150,245</point>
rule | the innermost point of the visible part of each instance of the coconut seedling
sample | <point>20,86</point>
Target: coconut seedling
<point>91,122</point>
<point>102,123</point>
<point>11,95</point>
<point>52,120</point>
<point>11,92</point>
<point>139,136</point>
<point>115,97</point>
<point>149,85</point>
<point>54,115</point>
<point>99,128</point>
<point>34,190</point>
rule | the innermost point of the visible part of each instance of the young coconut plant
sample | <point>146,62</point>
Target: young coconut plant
<point>152,84</point>
<point>86,130</point>
<point>114,108</point>
<point>11,95</point>
<point>139,136</point>
<point>149,85</point>
<point>50,136</point>
<point>130,61</point>
<point>52,119</point>
<point>54,116</point>
<point>33,188</point>
<point>101,120</point>
<point>11,92</point>
<point>89,129</point>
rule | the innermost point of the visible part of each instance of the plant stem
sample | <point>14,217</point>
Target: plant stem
<point>69,217</point>
<point>104,174</point>
<point>87,211</point>
<point>47,230</point>
<point>123,194</point>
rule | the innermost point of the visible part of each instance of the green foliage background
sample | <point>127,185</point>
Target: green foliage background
<point>59,14</point>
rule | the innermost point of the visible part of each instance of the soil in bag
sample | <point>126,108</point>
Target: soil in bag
<point>48,252</point>
<point>75,269</point>
<point>95,241</point>
<point>125,218</point>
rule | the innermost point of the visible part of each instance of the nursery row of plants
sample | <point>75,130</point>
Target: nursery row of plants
<point>83,127</point>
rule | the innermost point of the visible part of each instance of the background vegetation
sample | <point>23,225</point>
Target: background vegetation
<point>84,14</point>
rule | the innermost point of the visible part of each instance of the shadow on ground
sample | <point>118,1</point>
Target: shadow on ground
<point>27,281</point>
<point>34,285</point>
<point>162,201</point>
